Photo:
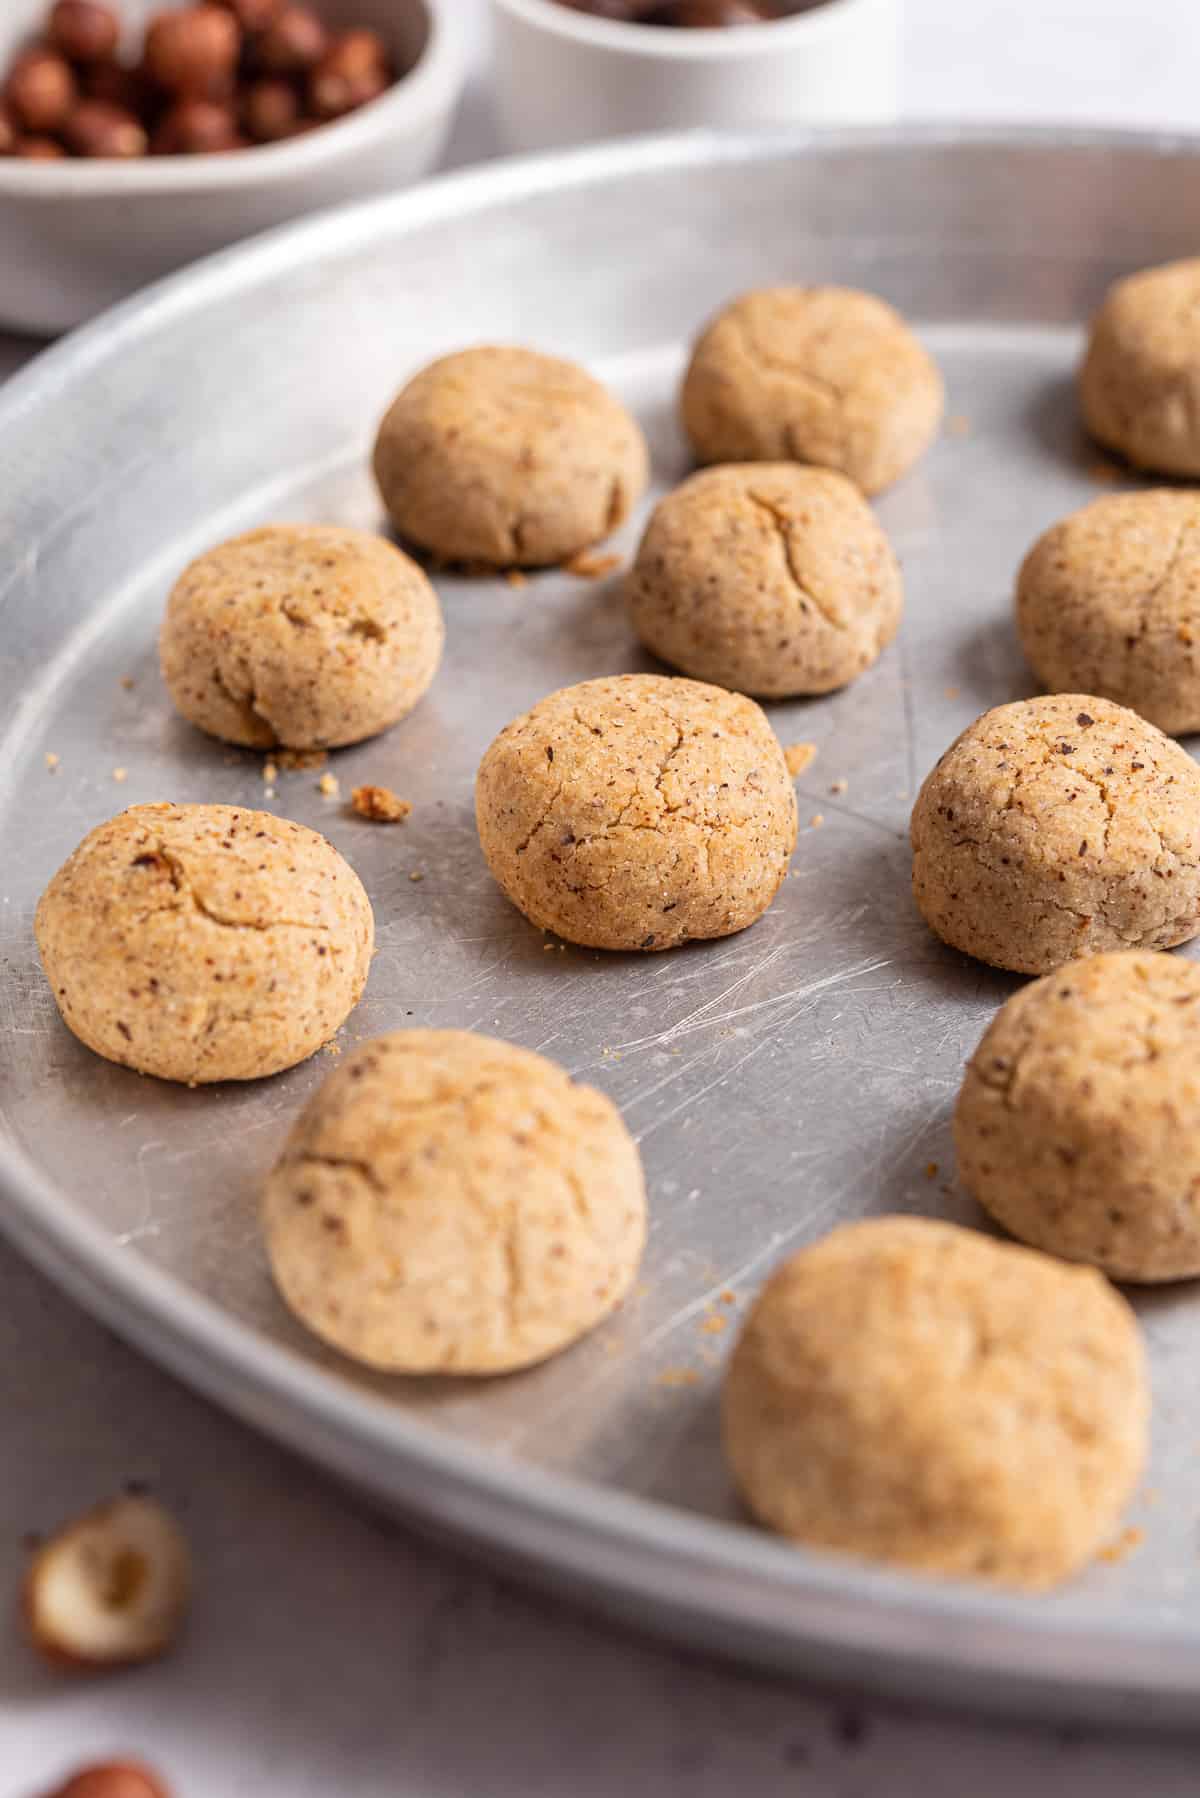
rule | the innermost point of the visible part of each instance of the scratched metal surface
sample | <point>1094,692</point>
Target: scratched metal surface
<point>779,1081</point>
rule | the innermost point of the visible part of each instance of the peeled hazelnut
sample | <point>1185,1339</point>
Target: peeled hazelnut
<point>352,71</point>
<point>111,1589</point>
<point>40,149</point>
<point>197,128</point>
<point>116,1779</point>
<point>98,128</point>
<point>194,51</point>
<point>271,110</point>
<point>40,90</point>
<point>294,43</point>
<point>84,30</point>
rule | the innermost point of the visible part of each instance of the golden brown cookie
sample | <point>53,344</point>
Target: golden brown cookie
<point>1055,828</point>
<point>1108,602</point>
<point>302,635</point>
<point>1078,1122</point>
<point>825,375</point>
<point>505,456</point>
<point>1140,381</point>
<point>452,1204</point>
<point>636,812</point>
<point>205,942</point>
<point>913,1393</point>
<point>768,578</point>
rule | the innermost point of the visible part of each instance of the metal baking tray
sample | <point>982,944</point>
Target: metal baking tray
<point>778,1081</point>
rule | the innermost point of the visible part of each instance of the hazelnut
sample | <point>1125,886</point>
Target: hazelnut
<point>294,43</point>
<point>84,30</point>
<point>352,71</point>
<point>115,1779</point>
<point>110,1589</point>
<point>271,110</point>
<point>40,149</point>
<point>8,132</point>
<point>194,51</point>
<point>98,128</point>
<point>197,128</point>
<point>119,85</point>
<point>40,90</point>
<point>253,15</point>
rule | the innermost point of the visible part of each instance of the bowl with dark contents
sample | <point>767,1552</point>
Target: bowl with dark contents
<point>568,71</point>
<point>137,135</point>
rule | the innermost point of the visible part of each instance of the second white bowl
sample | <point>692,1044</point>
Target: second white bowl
<point>564,77</point>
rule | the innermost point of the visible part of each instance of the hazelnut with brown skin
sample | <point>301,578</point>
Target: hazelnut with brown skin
<point>8,132</point>
<point>84,31</point>
<point>40,149</point>
<point>271,110</point>
<point>352,71</point>
<point>253,15</point>
<point>194,52</point>
<point>40,91</point>
<point>197,128</point>
<point>120,86</point>
<point>96,128</point>
<point>115,1779</point>
<point>294,43</point>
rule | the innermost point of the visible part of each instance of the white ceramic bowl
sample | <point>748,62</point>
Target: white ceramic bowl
<point>564,77</point>
<point>75,236</point>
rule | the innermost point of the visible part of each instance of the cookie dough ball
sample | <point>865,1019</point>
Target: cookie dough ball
<point>205,942</point>
<point>507,457</point>
<point>637,812</point>
<point>1108,602</point>
<point>1140,381</point>
<point>1055,828</point>
<point>1078,1123</point>
<point>913,1393</point>
<point>450,1204</point>
<point>301,635</point>
<point>768,578</point>
<point>813,374</point>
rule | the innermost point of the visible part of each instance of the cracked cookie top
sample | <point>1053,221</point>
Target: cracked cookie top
<point>1140,381</point>
<point>205,942</point>
<point>825,375</point>
<point>507,457</point>
<point>638,811</point>
<point>1059,827</point>
<point>767,578</point>
<point>448,1203</point>
<point>307,636</point>
<point>1108,602</point>
<point>1077,1123</point>
<point>919,1394</point>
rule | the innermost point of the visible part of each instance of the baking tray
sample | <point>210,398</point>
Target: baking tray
<point>778,1081</point>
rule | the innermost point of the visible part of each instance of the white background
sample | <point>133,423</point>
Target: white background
<point>333,1657</point>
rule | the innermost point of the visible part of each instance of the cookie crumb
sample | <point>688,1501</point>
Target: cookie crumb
<point>328,786</point>
<point>714,1324</point>
<point>678,1376</point>
<point>931,1170</point>
<point>798,756</point>
<point>816,821</point>
<point>120,775</point>
<point>51,762</point>
<point>516,578</point>
<point>590,567</point>
<point>950,692</point>
<point>416,877</point>
<point>298,761</point>
<point>1124,1545</point>
<point>128,682</point>
<point>270,773</point>
<point>333,1048</point>
<point>729,1297</point>
<point>839,787</point>
<point>379,804</point>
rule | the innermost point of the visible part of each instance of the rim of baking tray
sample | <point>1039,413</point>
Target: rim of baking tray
<point>638,1550</point>
<point>712,45</point>
<point>419,97</point>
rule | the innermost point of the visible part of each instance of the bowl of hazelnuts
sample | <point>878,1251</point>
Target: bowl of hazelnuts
<point>572,70</point>
<point>137,135</point>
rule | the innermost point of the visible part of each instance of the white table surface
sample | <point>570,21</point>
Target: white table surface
<point>334,1657</point>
